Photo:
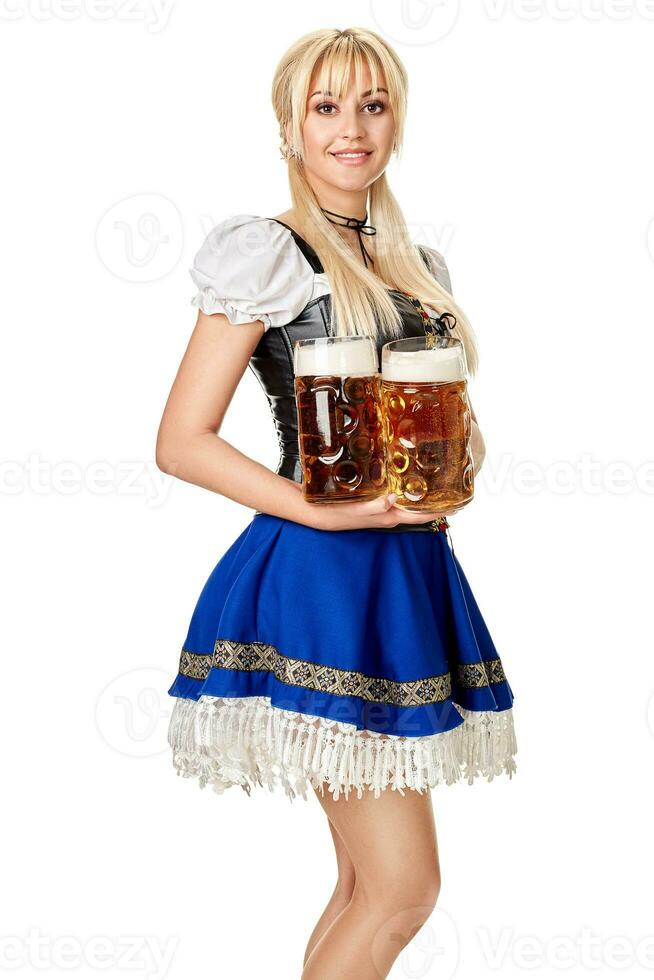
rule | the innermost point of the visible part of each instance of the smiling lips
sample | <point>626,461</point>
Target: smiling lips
<point>351,157</point>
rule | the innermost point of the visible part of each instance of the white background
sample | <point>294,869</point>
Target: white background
<point>528,161</point>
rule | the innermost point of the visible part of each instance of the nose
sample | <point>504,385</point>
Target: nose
<point>352,124</point>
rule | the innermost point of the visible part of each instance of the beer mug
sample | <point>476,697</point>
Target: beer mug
<point>340,425</point>
<point>427,422</point>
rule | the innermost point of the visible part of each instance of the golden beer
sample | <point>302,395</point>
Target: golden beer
<point>427,423</point>
<point>340,424</point>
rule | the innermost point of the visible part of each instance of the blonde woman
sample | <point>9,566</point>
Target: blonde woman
<point>333,648</point>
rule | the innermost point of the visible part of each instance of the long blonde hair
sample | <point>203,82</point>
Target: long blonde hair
<point>360,299</point>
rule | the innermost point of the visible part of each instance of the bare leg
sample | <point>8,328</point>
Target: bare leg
<point>340,896</point>
<point>392,843</point>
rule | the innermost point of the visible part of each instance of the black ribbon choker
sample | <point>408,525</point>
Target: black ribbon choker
<point>361,227</point>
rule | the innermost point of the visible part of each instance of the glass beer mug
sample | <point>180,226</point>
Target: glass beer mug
<point>340,425</point>
<point>427,423</point>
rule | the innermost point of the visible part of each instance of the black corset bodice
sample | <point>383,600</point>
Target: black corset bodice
<point>272,360</point>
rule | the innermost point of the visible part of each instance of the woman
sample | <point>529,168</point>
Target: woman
<point>330,647</point>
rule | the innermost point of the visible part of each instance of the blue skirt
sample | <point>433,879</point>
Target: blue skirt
<point>348,659</point>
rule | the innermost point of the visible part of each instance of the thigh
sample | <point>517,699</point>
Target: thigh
<point>390,839</point>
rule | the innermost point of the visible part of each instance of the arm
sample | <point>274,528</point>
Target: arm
<point>188,446</point>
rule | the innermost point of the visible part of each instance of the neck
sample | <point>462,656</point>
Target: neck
<point>353,204</point>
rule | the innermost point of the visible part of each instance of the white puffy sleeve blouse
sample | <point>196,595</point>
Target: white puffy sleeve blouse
<point>250,268</point>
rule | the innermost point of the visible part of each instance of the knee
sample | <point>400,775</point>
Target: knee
<point>423,886</point>
<point>398,889</point>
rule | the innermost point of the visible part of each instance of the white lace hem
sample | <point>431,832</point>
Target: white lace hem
<point>249,742</point>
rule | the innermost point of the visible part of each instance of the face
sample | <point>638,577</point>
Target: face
<point>358,123</point>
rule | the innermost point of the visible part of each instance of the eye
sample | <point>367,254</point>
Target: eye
<point>380,106</point>
<point>325,105</point>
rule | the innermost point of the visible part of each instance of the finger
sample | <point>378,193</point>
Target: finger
<point>383,503</point>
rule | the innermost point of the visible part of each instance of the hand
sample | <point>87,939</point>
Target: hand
<point>380,512</point>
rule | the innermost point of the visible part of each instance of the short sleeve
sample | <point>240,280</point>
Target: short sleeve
<point>437,266</point>
<point>250,268</point>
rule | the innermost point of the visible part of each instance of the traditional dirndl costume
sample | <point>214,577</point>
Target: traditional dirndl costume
<point>348,660</point>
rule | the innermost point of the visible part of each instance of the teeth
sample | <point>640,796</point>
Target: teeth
<point>353,155</point>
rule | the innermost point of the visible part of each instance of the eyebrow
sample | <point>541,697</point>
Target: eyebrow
<point>363,94</point>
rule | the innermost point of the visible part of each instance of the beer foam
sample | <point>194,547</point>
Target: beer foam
<point>432,365</point>
<point>355,356</point>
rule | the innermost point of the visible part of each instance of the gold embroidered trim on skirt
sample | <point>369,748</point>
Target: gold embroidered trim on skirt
<point>234,655</point>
